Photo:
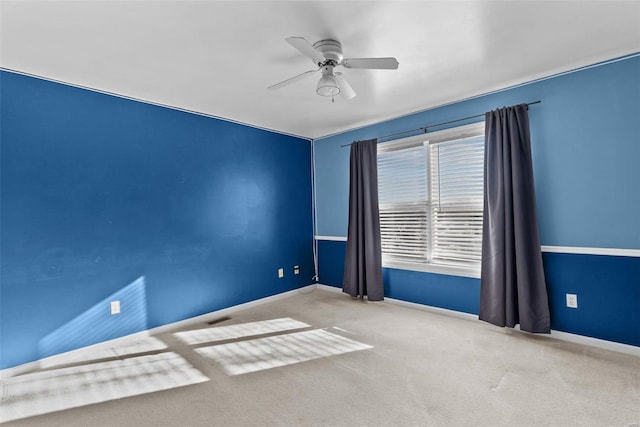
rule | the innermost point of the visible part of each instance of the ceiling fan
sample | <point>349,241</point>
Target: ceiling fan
<point>327,54</point>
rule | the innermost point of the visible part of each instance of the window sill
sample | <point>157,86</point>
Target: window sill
<point>450,270</point>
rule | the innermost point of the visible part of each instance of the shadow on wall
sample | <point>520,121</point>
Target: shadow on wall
<point>98,324</point>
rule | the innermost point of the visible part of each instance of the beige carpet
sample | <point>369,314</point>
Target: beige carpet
<point>323,358</point>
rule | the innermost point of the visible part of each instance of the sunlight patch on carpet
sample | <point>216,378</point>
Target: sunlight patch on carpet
<point>271,352</point>
<point>58,389</point>
<point>231,332</point>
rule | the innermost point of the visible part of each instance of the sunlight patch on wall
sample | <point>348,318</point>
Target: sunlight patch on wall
<point>222,333</point>
<point>265,353</point>
<point>97,324</point>
<point>55,390</point>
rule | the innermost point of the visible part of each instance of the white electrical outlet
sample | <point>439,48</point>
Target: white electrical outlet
<point>115,307</point>
<point>296,269</point>
<point>572,300</point>
<point>280,273</point>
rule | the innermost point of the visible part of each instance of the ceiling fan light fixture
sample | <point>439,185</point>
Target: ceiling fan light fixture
<point>328,86</point>
<point>326,55</point>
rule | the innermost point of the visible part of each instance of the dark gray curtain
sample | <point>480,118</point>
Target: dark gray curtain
<point>363,262</point>
<point>512,286</point>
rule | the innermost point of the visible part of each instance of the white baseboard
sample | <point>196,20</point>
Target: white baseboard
<point>73,355</point>
<point>59,359</point>
<point>431,309</point>
<point>559,335</point>
<point>596,342</point>
<point>329,288</point>
<point>207,317</point>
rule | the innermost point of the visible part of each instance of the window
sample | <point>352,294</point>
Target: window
<point>431,200</point>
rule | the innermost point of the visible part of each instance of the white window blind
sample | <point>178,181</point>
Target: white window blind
<point>456,172</point>
<point>430,190</point>
<point>403,201</point>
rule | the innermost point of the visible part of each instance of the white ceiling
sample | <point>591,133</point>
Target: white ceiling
<point>219,57</point>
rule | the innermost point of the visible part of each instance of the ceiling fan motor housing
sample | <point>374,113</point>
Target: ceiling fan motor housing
<point>331,50</point>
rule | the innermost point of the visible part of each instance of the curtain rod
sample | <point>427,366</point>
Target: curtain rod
<point>425,128</point>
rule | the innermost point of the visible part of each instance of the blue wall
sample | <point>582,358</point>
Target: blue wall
<point>586,146</point>
<point>99,192</point>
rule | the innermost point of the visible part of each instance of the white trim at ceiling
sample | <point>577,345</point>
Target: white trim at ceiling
<point>552,76</point>
<point>156,104</point>
<point>307,138</point>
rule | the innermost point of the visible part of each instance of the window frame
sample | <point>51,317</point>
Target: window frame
<point>428,139</point>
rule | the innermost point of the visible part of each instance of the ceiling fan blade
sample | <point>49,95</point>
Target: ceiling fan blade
<point>346,90</point>
<point>371,63</point>
<point>306,48</point>
<point>292,79</point>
